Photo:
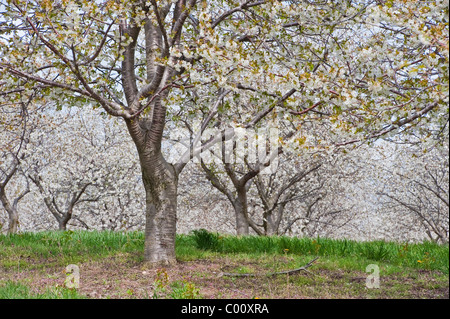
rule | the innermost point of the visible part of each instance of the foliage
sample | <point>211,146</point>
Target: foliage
<point>206,240</point>
<point>184,290</point>
<point>164,288</point>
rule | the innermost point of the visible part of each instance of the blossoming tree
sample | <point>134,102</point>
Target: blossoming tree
<point>415,195</point>
<point>14,137</point>
<point>83,160</point>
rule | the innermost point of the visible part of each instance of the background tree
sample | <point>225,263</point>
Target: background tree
<point>82,160</point>
<point>79,168</point>
<point>14,139</point>
<point>418,191</point>
<point>307,198</point>
<point>19,119</point>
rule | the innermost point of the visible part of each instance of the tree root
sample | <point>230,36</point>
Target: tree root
<point>286,272</point>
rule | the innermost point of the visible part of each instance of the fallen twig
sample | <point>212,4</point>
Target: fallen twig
<point>286,272</point>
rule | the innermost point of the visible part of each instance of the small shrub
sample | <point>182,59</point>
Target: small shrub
<point>376,251</point>
<point>161,283</point>
<point>184,290</point>
<point>206,240</point>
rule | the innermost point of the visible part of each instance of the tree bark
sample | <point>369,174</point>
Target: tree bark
<point>269,224</point>
<point>241,212</point>
<point>62,222</point>
<point>146,127</point>
<point>11,209</point>
<point>13,215</point>
<point>161,183</point>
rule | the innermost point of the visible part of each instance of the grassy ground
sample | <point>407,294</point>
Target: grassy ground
<point>33,265</point>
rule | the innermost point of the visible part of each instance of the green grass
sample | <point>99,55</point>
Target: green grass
<point>427,255</point>
<point>62,248</point>
<point>45,254</point>
<point>15,290</point>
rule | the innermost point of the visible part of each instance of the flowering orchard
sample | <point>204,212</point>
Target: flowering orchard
<point>327,74</point>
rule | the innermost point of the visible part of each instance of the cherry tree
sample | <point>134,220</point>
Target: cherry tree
<point>418,190</point>
<point>201,205</point>
<point>13,136</point>
<point>19,119</point>
<point>80,161</point>
<point>77,168</point>
<point>307,192</point>
<point>307,198</point>
<point>370,66</point>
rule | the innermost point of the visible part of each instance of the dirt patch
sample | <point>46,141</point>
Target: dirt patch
<point>422,284</point>
<point>121,277</point>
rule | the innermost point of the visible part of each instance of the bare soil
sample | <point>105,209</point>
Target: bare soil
<point>120,277</point>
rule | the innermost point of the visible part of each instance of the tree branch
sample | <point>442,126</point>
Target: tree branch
<point>394,126</point>
<point>244,6</point>
<point>287,272</point>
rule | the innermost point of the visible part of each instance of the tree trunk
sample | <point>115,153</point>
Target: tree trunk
<point>62,224</point>
<point>13,226</point>
<point>161,183</point>
<point>272,219</point>
<point>13,215</point>
<point>242,225</point>
<point>269,224</point>
<point>241,211</point>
